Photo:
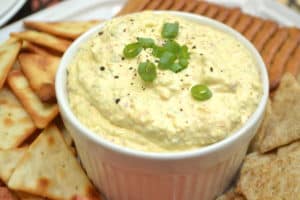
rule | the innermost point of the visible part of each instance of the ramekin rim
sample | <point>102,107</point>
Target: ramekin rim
<point>84,131</point>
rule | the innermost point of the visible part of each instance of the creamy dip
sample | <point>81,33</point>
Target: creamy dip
<point>109,97</point>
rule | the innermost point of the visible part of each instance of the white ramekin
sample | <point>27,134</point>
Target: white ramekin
<point>126,174</point>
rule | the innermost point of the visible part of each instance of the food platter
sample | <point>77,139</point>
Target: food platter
<point>25,85</point>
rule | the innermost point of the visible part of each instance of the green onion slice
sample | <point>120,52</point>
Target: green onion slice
<point>170,30</point>
<point>201,92</point>
<point>166,60</point>
<point>146,42</point>
<point>157,51</point>
<point>172,46</point>
<point>183,52</point>
<point>147,71</point>
<point>132,50</point>
<point>176,67</point>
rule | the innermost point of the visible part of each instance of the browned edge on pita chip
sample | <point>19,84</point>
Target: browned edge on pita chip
<point>44,39</point>
<point>41,113</point>
<point>45,67</point>
<point>65,29</point>
<point>8,55</point>
<point>253,28</point>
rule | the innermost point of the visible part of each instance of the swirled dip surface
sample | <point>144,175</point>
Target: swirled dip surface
<point>109,97</point>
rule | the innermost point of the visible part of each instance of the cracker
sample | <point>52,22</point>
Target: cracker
<point>152,5</point>
<point>178,4</point>
<point>281,58</point>
<point>8,55</point>
<point>61,177</point>
<point>44,39</point>
<point>267,30</point>
<point>133,6</point>
<point>165,5</point>
<point>15,123</point>
<point>271,176</point>
<point>243,23</point>
<point>45,67</point>
<point>283,126</point>
<point>67,29</point>
<point>273,45</point>
<point>233,17</point>
<point>188,7</point>
<point>8,161</point>
<point>259,136</point>
<point>201,8</point>
<point>253,29</point>
<point>41,113</point>
<point>212,10</point>
<point>293,64</point>
<point>222,14</point>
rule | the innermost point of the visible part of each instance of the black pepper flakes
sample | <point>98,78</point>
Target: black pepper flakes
<point>102,68</point>
<point>116,77</point>
<point>181,109</point>
<point>211,69</point>
<point>131,83</point>
<point>201,54</point>
<point>181,80</point>
<point>194,47</point>
<point>123,58</point>
<point>100,33</point>
<point>117,100</point>
<point>124,30</point>
<point>130,68</point>
<point>186,75</point>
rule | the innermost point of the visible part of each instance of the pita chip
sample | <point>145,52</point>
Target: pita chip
<point>283,125</point>
<point>26,196</point>
<point>44,39</point>
<point>41,113</point>
<point>33,48</point>
<point>271,176</point>
<point>45,67</point>
<point>15,123</point>
<point>70,29</point>
<point>8,161</point>
<point>8,55</point>
<point>61,177</point>
<point>6,194</point>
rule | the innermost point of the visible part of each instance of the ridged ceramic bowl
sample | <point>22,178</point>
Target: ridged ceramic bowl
<point>127,174</point>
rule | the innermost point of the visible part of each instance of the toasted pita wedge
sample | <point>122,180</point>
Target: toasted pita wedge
<point>26,196</point>
<point>9,160</point>
<point>71,29</point>
<point>231,195</point>
<point>283,126</point>
<point>6,194</point>
<point>34,48</point>
<point>61,177</point>
<point>44,39</point>
<point>41,113</point>
<point>8,55</point>
<point>15,123</point>
<point>45,67</point>
<point>271,176</point>
<point>259,136</point>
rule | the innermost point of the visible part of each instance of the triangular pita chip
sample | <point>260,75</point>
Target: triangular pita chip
<point>45,67</point>
<point>6,194</point>
<point>26,196</point>
<point>283,125</point>
<point>44,39</point>
<point>41,113</point>
<point>8,55</point>
<point>49,169</point>
<point>71,29</point>
<point>8,161</point>
<point>15,123</point>
<point>271,176</point>
<point>34,48</point>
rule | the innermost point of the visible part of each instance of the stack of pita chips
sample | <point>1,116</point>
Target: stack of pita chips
<point>37,159</point>
<point>272,169</point>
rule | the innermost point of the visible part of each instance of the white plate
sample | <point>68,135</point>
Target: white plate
<point>105,9</point>
<point>8,8</point>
